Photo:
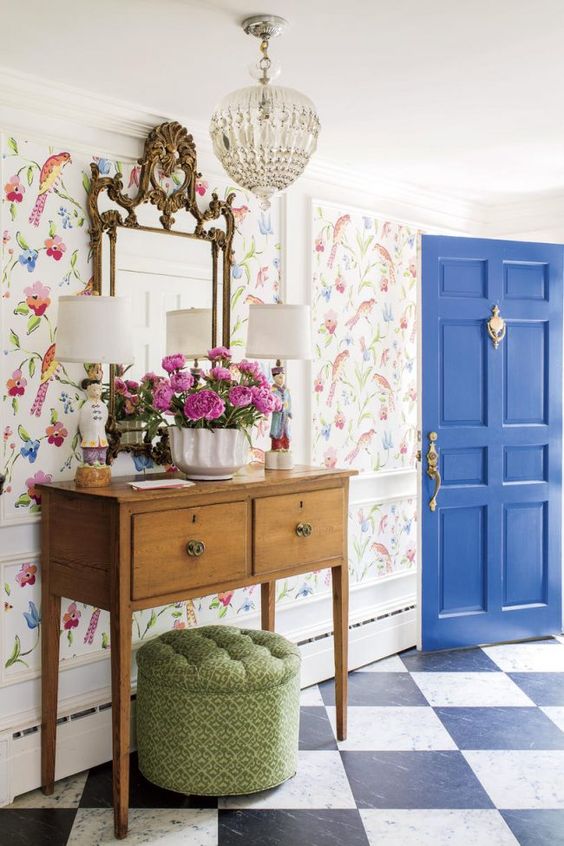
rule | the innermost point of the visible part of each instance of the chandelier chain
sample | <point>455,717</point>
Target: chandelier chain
<point>265,62</point>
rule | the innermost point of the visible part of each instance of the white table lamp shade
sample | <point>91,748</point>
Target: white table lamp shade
<point>189,331</point>
<point>279,331</point>
<point>95,329</point>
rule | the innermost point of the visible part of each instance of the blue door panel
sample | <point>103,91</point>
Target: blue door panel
<point>491,555</point>
<point>463,466</point>
<point>525,463</point>
<point>525,280</point>
<point>525,372</point>
<point>463,277</point>
<point>463,401</point>
<point>525,553</point>
<point>463,560</point>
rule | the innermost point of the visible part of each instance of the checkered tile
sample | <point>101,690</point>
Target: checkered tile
<point>461,748</point>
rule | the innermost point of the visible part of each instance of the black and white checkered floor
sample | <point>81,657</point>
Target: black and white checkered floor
<point>453,748</point>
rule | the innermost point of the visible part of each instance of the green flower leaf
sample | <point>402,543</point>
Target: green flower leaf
<point>74,259</point>
<point>24,435</point>
<point>12,145</point>
<point>86,183</point>
<point>15,405</point>
<point>29,175</point>
<point>21,308</point>
<point>69,636</point>
<point>153,620</point>
<point>13,211</point>
<point>16,652</point>
<point>23,501</point>
<point>33,323</point>
<point>21,241</point>
<point>31,367</point>
<point>237,296</point>
<point>54,416</point>
<point>52,229</point>
<point>7,588</point>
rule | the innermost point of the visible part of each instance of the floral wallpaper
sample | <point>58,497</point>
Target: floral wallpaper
<point>45,254</point>
<point>364,313</point>
<point>365,383</point>
<point>364,318</point>
<point>382,539</point>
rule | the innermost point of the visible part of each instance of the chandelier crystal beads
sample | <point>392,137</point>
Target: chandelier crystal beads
<point>264,135</point>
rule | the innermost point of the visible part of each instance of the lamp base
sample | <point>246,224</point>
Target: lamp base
<point>279,459</point>
<point>93,476</point>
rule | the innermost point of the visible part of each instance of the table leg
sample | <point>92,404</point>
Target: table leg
<point>50,634</point>
<point>268,605</point>
<point>340,582</point>
<point>121,710</point>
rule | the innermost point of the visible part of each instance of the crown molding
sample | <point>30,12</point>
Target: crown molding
<point>59,106</point>
<point>450,211</point>
<point>56,99</point>
<point>536,213</point>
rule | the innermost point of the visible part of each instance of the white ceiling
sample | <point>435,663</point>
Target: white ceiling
<point>446,95</point>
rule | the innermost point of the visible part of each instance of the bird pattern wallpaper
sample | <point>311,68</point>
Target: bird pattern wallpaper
<point>364,371</point>
<point>45,254</point>
<point>364,316</point>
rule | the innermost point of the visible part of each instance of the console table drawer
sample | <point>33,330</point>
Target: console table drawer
<point>189,547</point>
<point>301,528</point>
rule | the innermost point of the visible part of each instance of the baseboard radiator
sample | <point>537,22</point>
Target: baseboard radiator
<point>84,736</point>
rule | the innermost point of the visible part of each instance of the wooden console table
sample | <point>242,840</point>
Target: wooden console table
<point>124,550</point>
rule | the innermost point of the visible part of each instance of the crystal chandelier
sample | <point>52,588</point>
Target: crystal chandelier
<point>264,135</point>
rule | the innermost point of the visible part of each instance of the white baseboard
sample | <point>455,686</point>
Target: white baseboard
<point>84,736</point>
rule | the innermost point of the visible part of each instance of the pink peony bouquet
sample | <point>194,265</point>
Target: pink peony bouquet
<point>228,396</point>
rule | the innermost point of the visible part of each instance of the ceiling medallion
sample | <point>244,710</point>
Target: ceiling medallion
<point>264,135</point>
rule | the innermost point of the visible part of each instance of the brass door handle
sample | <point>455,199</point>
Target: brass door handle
<point>195,548</point>
<point>304,530</point>
<point>433,469</point>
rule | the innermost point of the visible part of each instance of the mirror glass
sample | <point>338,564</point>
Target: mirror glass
<point>160,273</point>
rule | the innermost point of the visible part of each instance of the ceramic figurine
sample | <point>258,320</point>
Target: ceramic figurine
<point>280,425</point>
<point>280,457</point>
<point>92,424</point>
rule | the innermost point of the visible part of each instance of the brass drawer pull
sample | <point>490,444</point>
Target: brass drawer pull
<point>304,530</point>
<point>195,548</point>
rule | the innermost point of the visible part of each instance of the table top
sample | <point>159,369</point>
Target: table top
<point>252,475</point>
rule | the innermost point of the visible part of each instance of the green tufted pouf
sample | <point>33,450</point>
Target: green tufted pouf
<point>218,710</point>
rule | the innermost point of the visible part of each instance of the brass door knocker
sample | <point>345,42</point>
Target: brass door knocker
<point>433,469</point>
<point>496,327</point>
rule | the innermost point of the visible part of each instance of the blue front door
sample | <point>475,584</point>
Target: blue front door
<point>492,425</point>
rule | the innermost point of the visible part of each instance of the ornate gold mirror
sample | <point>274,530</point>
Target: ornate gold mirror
<point>191,269</point>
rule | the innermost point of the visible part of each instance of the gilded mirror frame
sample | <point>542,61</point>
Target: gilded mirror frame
<point>169,149</point>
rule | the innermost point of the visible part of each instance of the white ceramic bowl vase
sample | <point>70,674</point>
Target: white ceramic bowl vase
<point>206,455</point>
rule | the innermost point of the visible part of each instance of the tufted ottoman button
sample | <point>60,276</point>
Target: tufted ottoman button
<point>218,710</point>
